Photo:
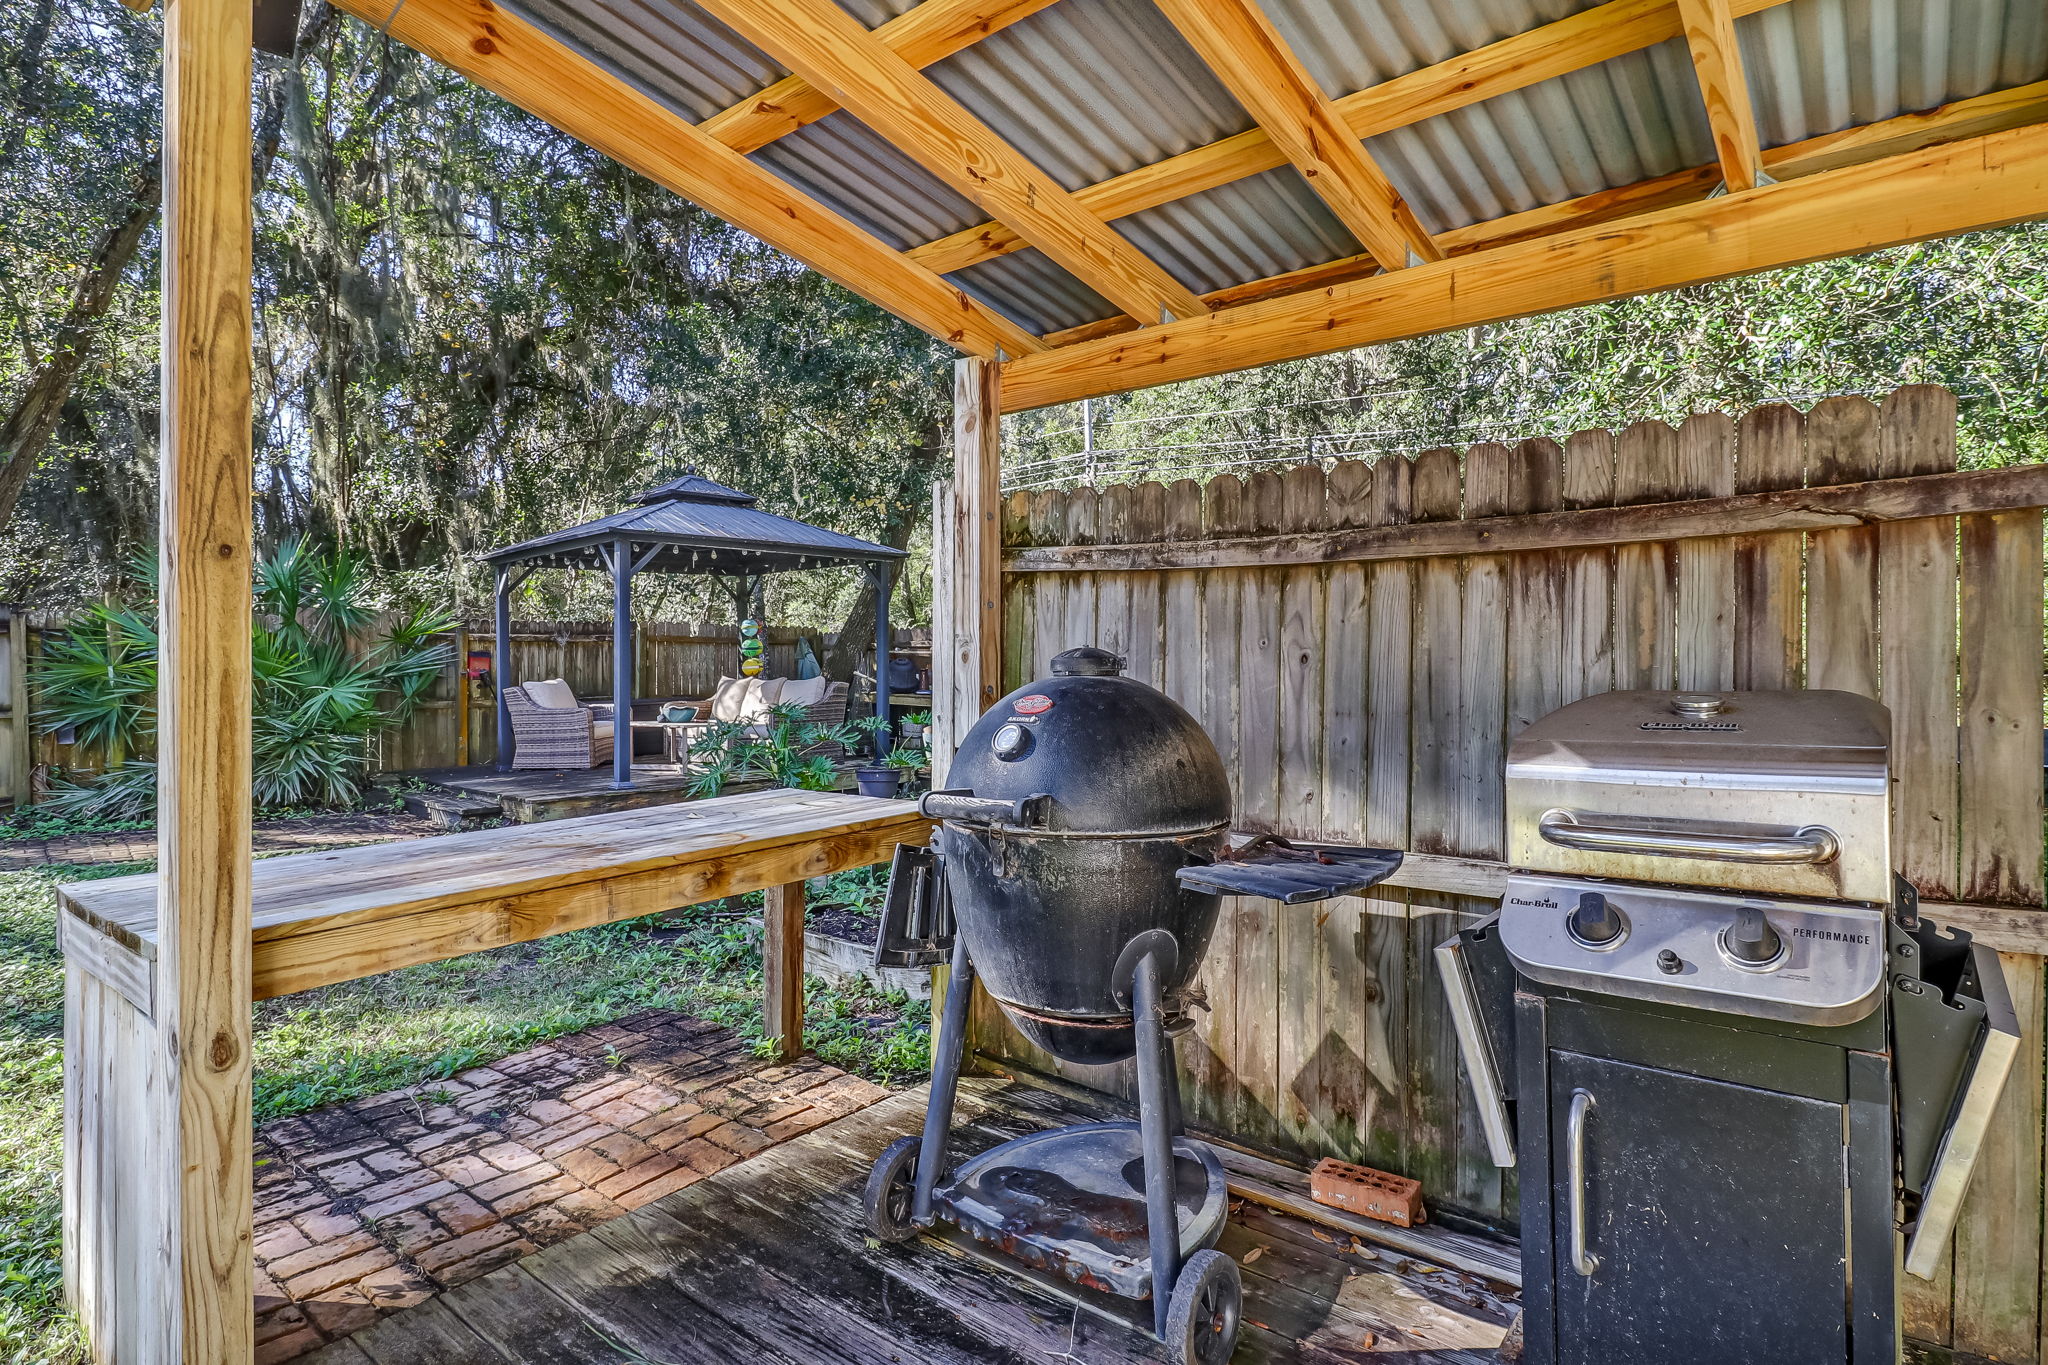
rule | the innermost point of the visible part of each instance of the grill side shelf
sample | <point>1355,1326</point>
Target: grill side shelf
<point>1295,874</point>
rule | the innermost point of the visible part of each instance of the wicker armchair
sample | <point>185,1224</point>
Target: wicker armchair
<point>557,736</point>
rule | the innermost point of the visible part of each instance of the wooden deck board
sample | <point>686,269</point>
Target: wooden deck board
<point>770,1261</point>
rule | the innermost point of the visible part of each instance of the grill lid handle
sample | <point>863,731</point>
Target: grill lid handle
<point>963,807</point>
<point>1596,834</point>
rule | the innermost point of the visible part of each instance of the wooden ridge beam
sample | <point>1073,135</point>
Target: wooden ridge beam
<point>1239,44</point>
<point>1793,509</point>
<point>929,33</point>
<point>1710,34</point>
<point>1586,39</point>
<point>1976,183</point>
<point>1908,132</point>
<point>829,48</point>
<point>511,58</point>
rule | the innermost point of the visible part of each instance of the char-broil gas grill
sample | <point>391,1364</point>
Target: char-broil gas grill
<point>1732,1063</point>
<point>1083,851</point>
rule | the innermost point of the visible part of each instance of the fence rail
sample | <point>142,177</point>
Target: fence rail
<point>1362,642</point>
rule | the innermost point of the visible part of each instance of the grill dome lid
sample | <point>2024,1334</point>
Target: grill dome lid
<point>1116,755</point>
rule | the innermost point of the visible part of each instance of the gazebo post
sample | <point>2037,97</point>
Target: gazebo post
<point>622,664</point>
<point>880,570</point>
<point>501,663</point>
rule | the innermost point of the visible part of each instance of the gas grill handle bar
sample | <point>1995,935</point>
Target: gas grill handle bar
<point>1583,1261</point>
<point>966,808</point>
<point>1566,829</point>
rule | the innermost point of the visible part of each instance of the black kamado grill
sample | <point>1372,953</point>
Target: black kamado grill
<point>1083,851</point>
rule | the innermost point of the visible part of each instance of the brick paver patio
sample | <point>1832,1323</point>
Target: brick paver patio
<point>367,1208</point>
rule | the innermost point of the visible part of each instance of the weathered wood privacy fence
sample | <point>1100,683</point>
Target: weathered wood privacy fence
<point>1362,642</point>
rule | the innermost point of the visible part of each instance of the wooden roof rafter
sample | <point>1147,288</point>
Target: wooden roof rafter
<point>829,48</point>
<point>1582,40</point>
<point>1710,34</point>
<point>1237,42</point>
<point>927,33</point>
<point>515,60</point>
<point>1979,182</point>
<point>1972,117</point>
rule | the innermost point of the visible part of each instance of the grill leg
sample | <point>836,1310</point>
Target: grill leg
<point>1158,1116</point>
<point>938,1114</point>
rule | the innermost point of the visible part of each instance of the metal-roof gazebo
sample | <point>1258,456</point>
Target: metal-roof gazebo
<point>690,524</point>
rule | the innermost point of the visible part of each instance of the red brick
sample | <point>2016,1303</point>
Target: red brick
<point>288,1268</point>
<point>341,1311</point>
<point>462,1248</point>
<point>395,1288</point>
<point>796,1124</point>
<point>548,1225</point>
<point>281,1239</point>
<point>588,1207</point>
<point>535,1195</point>
<point>566,1137</point>
<point>588,1166</point>
<point>460,1214</point>
<point>277,1322</point>
<point>551,1111</point>
<point>391,1161</point>
<point>326,1227</point>
<point>633,1177</point>
<point>491,1191</point>
<point>590,1095</point>
<point>620,1113</point>
<point>696,1126</point>
<point>269,1294</point>
<point>468,1170</point>
<point>738,1139</point>
<point>622,1150</point>
<point>341,1272</point>
<point>400,1184</point>
<point>412,1199</point>
<point>509,1156</point>
<point>704,1156</point>
<point>681,1178</point>
<point>411,1232</point>
<point>348,1177</point>
<point>288,1347</point>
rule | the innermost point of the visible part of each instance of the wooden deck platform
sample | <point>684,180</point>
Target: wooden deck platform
<point>532,796</point>
<point>769,1263</point>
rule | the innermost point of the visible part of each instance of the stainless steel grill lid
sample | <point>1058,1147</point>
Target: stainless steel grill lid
<point>1778,793</point>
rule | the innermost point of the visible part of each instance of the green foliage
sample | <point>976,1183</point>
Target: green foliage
<point>775,750</point>
<point>322,691</point>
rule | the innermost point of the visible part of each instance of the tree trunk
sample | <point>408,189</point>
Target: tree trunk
<point>27,428</point>
<point>911,504</point>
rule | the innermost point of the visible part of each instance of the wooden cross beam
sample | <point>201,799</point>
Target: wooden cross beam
<point>511,58</point>
<point>1238,42</point>
<point>828,47</point>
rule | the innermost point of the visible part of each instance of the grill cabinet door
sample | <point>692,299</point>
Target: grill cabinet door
<point>1715,1212</point>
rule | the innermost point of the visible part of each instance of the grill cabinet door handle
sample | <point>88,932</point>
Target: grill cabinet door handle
<point>1810,844</point>
<point>1583,1261</point>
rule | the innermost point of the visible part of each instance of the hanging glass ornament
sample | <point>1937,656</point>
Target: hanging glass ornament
<point>750,648</point>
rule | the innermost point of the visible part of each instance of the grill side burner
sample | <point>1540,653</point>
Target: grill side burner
<point>1733,1065</point>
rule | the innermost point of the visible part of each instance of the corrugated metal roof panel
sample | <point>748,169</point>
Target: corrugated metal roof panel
<point>670,49</point>
<point>1043,84</point>
<point>1025,285</point>
<point>1263,225</point>
<point>842,162</point>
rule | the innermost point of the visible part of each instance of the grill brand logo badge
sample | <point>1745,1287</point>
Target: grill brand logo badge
<point>1723,726</point>
<point>1831,935</point>
<point>1034,704</point>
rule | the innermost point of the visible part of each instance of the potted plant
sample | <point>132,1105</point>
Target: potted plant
<point>782,748</point>
<point>877,776</point>
<point>915,724</point>
<point>909,765</point>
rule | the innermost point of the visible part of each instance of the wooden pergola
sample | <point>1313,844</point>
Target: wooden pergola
<point>923,95</point>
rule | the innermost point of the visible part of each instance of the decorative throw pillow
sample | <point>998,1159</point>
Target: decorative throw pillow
<point>805,691</point>
<point>552,693</point>
<point>764,693</point>
<point>728,697</point>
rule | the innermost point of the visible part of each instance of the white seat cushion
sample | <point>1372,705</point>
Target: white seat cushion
<point>600,729</point>
<point>805,691</point>
<point>553,693</point>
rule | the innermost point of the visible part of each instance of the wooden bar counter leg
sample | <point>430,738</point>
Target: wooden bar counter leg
<point>782,969</point>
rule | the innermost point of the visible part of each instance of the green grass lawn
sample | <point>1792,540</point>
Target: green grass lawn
<point>421,1023</point>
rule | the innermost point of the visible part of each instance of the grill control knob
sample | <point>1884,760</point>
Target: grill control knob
<point>1011,743</point>
<point>1594,922</point>
<point>1751,939</point>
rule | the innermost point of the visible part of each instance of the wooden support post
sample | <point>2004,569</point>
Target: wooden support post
<point>501,664</point>
<point>203,699</point>
<point>622,664</point>
<point>883,740</point>
<point>462,696</point>
<point>20,764</point>
<point>782,969</point>
<point>967,583</point>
